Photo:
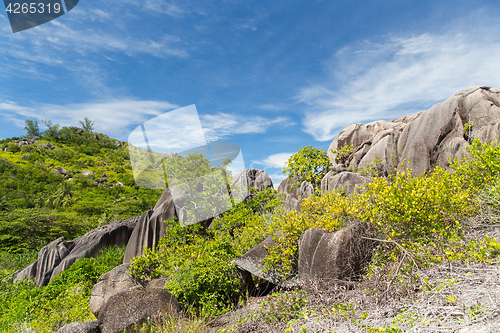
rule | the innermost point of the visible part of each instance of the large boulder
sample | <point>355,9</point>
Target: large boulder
<point>151,227</point>
<point>424,140</point>
<point>253,262</point>
<point>295,192</point>
<point>80,327</point>
<point>49,257</point>
<point>247,178</point>
<point>345,180</point>
<point>135,306</point>
<point>114,281</point>
<point>60,255</point>
<point>28,272</point>
<point>328,256</point>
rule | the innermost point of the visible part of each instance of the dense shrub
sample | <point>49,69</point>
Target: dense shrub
<point>197,260</point>
<point>64,300</point>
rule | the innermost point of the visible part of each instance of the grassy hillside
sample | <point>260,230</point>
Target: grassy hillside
<point>37,205</point>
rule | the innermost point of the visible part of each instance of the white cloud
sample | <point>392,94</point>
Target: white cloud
<point>113,117</point>
<point>272,162</point>
<point>173,131</point>
<point>397,76</point>
<point>272,107</point>
<point>222,125</point>
<point>276,160</point>
<point>116,118</point>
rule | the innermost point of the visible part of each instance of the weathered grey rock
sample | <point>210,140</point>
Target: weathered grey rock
<point>253,262</point>
<point>87,173</point>
<point>361,137</point>
<point>384,153</point>
<point>90,244</point>
<point>135,306</point>
<point>80,327</point>
<point>108,284</point>
<point>158,283</point>
<point>150,228</point>
<point>327,256</point>
<point>28,272</point>
<point>295,192</point>
<point>120,184</point>
<point>308,243</point>
<point>247,178</point>
<point>424,140</point>
<point>60,255</point>
<point>349,181</point>
<point>174,155</point>
<point>60,171</point>
<point>49,257</point>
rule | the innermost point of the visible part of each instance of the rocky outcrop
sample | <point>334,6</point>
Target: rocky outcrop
<point>151,227</point>
<point>253,262</point>
<point>79,327</point>
<point>327,256</point>
<point>135,306</point>
<point>295,192</point>
<point>49,257</point>
<point>60,255</point>
<point>114,281</point>
<point>424,140</point>
<point>27,141</point>
<point>345,180</point>
<point>60,171</point>
<point>247,178</point>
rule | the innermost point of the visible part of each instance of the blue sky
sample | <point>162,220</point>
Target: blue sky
<point>270,76</point>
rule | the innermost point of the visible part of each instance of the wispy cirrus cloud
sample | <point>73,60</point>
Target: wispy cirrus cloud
<point>82,44</point>
<point>398,75</point>
<point>275,160</point>
<point>221,125</point>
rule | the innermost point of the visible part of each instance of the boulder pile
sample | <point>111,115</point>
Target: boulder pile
<point>424,140</point>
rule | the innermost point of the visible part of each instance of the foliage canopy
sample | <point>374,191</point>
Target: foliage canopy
<point>310,164</point>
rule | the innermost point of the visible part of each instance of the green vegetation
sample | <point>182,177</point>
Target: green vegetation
<point>25,307</point>
<point>343,153</point>
<point>37,205</point>
<point>197,260</point>
<point>87,124</point>
<point>310,164</point>
<point>418,222</point>
<point>31,128</point>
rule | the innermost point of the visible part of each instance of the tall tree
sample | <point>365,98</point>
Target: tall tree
<point>87,124</point>
<point>31,128</point>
